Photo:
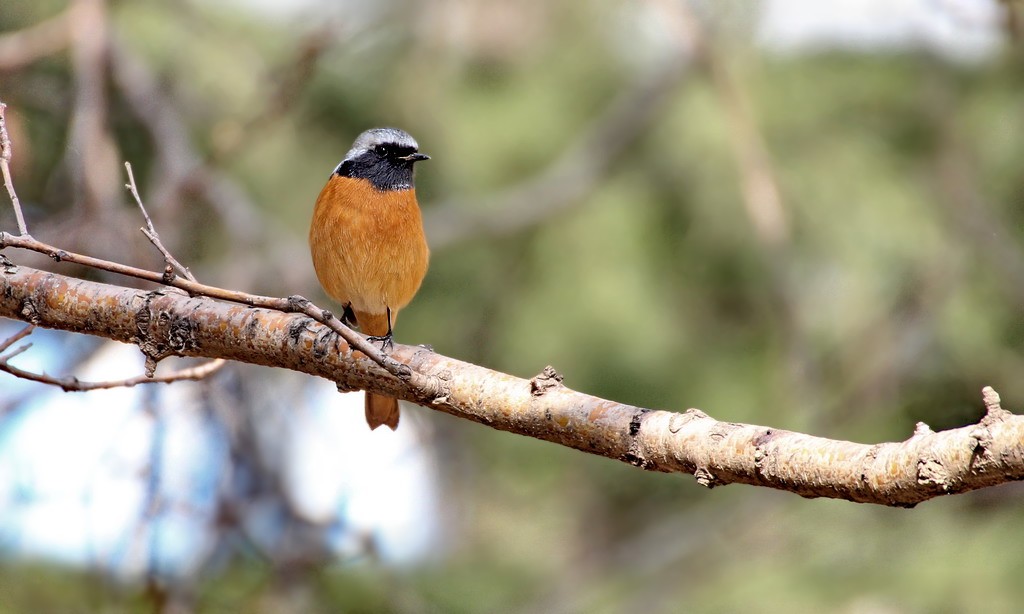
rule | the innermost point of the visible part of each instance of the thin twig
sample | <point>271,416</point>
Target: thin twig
<point>293,304</point>
<point>18,336</point>
<point>181,166</point>
<point>150,231</point>
<point>6,153</point>
<point>73,384</point>
<point>15,352</point>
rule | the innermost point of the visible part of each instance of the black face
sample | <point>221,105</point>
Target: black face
<point>387,166</point>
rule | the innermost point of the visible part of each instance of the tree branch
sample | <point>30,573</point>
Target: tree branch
<point>898,474</point>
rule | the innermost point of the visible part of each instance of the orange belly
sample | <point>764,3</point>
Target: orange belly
<point>368,248</point>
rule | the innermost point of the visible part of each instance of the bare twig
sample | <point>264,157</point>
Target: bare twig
<point>179,163</point>
<point>181,169</point>
<point>293,304</point>
<point>20,48</point>
<point>73,384</point>
<point>15,352</point>
<point>21,334</point>
<point>150,231</point>
<point>6,153</point>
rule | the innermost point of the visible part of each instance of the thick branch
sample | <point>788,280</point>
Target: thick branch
<point>899,474</point>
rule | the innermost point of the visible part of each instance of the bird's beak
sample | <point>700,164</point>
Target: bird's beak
<point>414,157</point>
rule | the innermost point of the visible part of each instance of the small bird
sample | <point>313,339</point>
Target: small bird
<point>367,241</point>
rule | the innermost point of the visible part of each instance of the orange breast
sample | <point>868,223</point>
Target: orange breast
<point>368,246</point>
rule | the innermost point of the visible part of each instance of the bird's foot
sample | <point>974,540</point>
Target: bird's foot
<point>384,341</point>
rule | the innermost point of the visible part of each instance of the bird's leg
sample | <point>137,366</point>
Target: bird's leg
<point>385,340</point>
<point>348,317</point>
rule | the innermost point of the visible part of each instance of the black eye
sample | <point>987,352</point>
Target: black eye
<point>380,150</point>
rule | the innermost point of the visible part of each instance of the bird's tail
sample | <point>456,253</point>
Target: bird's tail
<point>381,410</point>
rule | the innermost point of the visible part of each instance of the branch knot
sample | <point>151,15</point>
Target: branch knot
<point>8,267</point>
<point>545,381</point>
<point>994,411</point>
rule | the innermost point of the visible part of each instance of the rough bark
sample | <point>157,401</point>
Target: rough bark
<point>166,322</point>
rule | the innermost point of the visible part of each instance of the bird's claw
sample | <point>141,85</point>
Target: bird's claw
<point>384,340</point>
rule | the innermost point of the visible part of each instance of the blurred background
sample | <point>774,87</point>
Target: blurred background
<point>787,214</point>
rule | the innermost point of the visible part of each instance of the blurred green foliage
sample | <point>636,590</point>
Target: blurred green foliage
<point>893,301</point>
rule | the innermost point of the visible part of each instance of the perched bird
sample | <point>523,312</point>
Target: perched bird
<point>367,241</point>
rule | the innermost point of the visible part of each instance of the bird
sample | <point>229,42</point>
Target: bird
<point>367,242</point>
